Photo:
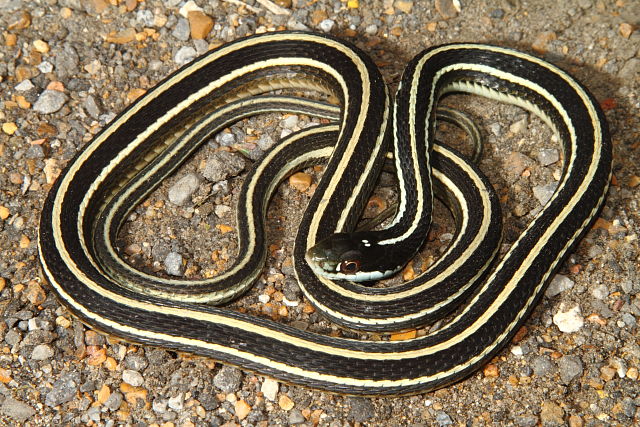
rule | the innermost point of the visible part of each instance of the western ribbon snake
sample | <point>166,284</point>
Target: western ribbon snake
<point>147,141</point>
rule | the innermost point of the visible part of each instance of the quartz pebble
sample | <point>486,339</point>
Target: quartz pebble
<point>270,389</point>
<point>568,320</point>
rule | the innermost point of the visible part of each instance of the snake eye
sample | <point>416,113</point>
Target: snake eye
<point>350,267</point>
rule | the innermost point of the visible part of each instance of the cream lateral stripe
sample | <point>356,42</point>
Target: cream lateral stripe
<point>341,223</point>
<point>169,156</point>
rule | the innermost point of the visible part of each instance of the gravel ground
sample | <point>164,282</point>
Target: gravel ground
<point>68,66</point>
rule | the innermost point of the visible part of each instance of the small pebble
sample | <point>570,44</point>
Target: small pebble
<point>42,352</point>
<point>173,264</point>
<point>184,55</point>
<point>570,320</point>
<point>228,379</point>
<point>181,191</point>
<point>145,17</point>
<point>443,419</point>
<point>542,366</point>
<point>17,410</point>
<point>132,377</point>
<point>177,402</point>
<point>517,127</point>
<point>327,25</point>
<point>24,86</point>
<point>361,410</point>
<point>50,101</point>
<point>600,292</point>
<point>285,402</point>
<point>64,389</point>
<point>45,67</point>
<point>551,414</point>
<point>242,409</point>
<point>181,31</point>
<point>559,284</point>
<point>548,156</point>
<point>569,367</point>
<point>223,165</point>
<point>544,192</point>
<point>290,122</point>
<point>448,8</point>
<point>296,417</point>
<point>270,389</point>
<point>114,401</point>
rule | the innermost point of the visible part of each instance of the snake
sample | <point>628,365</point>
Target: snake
<point>486,300</point>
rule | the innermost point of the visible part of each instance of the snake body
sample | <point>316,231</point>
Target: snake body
<point>148,140</point>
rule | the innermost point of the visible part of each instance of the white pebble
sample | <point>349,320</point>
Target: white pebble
<point>570,320</point>
<point>270,389</point>
<point>132,377</point>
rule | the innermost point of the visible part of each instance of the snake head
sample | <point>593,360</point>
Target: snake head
<point>350,256</point>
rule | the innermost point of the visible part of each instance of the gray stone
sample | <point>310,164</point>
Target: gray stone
<point>371,29</point>
<point>544,192</point>
<point>570,367</point>
<point>443,419</point>
<point>135,361</point>
<point>17,410</point>
<point>548,156</point>
<point>173,264</point>
<point>222,165</point>
<point>559,284</point>
<point>50,101</point>
<point>35,151</point>
<point>228,379</point>
<point>600,292</point>
<point>184,55</point>
<point>181,191</point>
<point>177,402</point>
<point>114,401</point>
<point>225,139</point>
<point>45,67</point>
<point>290,122</point>
<point>542,366</point>
<point>182,31</point>
<point>64,389</point>
<point>296,417</point>
<point>24,86</point>
<point>630,70</point>
<point>361,409</point>
<point>594,251</point>
<point>92,107</point>
<point>526,420</point>
<point>42,352</point>
<point>132,377</point>
<point>145,17</point>
<point>66,61</point>
<point>13,337</point>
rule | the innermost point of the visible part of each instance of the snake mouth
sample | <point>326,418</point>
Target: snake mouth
<point>321,259</point>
